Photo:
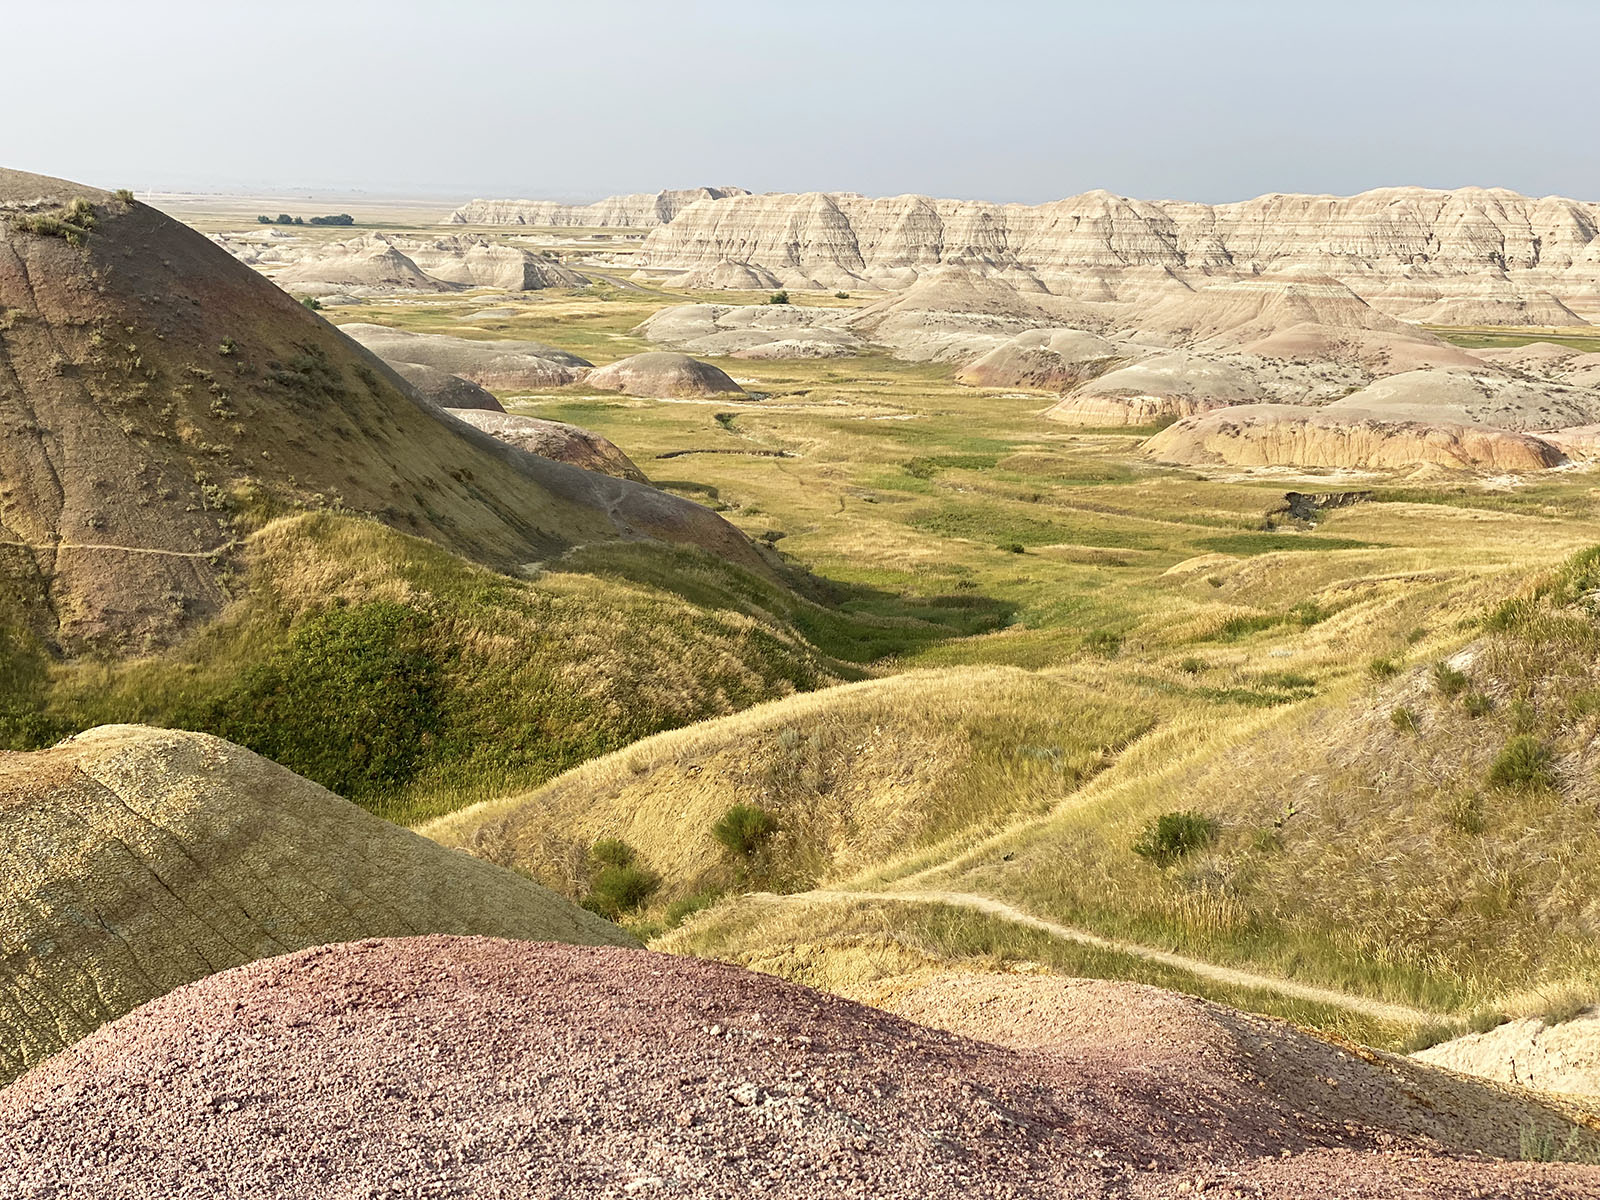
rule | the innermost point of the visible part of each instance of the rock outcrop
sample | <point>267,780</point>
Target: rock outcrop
<point>1412,253</point>
<point>1560,1057</point>
<point>753,330</point>
<point>501,365</point>
<point>135,860</point>
<point>1284,435</point>
<point>554,439</point>
<point>1046,359</point>
<point>640,210</point>
<point>662,373</point>
<point>383,263</point>
<point>444,389</point>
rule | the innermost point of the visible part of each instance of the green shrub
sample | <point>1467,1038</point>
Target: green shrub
<point>614,891</point>
<point>1012,548</point>
<point>228,347</point>
<point>1448,681</point>
<point>1167,838</point>
<point>612,852</point>
<point>841,295</point>
<point>312,303</point>
<point>124,194</point>
<point>744,830</point>
<point>1523,765</point>
<point>778,298</point>
<point>72,223</point>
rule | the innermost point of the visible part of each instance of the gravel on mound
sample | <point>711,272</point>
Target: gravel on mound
<point>480,1067</point>
<point>663,373</point>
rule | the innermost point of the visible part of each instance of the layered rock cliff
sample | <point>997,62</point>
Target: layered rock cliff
<point>1410,252</point>
<point>638,210</point>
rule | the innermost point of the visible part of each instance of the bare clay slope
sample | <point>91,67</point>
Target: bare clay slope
<point>476,1067</point>
<point>153,391</point>
<point>134,860</point>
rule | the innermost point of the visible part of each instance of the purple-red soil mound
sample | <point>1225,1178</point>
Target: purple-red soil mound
<point>480,1067</point>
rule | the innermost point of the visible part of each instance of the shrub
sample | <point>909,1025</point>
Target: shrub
<point>1427,1036</point>
<point>1523,765</point>
<point>744,830</point>
<point>1403,719</point>
<point>1477,704</point>
<point>1167,838</point>
<point>612,852</point>
<point>1192,666</point>
<point>1383,668</point>
<point>124,194</point>
<point>778,298</point>
<point>312,303</point>
<point>1486,1019</point>
<point>1464,813</point>
<point>1448,681</point>
<point>72,223</point>
<point>228,348</point>
<point>1012,547</point>
<point>841,295</point>
<point>614,891</point>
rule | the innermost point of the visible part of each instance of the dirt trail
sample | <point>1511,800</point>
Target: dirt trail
<point>1379,1009</point>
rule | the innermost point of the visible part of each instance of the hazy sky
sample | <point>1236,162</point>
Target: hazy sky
<point>999,99</point>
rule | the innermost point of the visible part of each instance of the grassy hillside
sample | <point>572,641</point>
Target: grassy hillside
<point>410,680</point>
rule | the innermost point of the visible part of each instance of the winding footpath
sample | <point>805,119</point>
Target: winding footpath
<point>1379,1009</point>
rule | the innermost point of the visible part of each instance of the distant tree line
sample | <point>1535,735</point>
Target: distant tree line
<point>286,219</point>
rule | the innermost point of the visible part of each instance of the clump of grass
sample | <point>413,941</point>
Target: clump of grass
<point>1448,681</point>
<point>1383,667</point>
<point>619,885</point>
<point>1546,1145</point>
<point>228,347</point>
<point>1192,666</point>
<point>1013,548</point>
<point>1486,1019</point>
<point>1404,719</point>
<point>1476,704</point>
<point>779,297</point>
<point>1103,641</point>
<point>124,194</point>
<point>1427,1036</point>
<point>1463,812</point>
<point>1167,838</point>
<point>744,830</point>
<point>72,223</point>
<point>1524,764</point>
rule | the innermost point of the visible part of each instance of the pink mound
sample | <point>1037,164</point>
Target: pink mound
<point>479,1067</point>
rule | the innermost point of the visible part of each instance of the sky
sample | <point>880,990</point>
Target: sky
<point>986,99</point>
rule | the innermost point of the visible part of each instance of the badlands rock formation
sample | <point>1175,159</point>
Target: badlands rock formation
<point>146,378</point>
<point>486,1067</point>
<point>1050,359</point>
<point>444,389</point>
<point>502,365</point>
<point>1284,435</point>
<point>1458,419</point>
<point>1412,253</point>
<point>554,439</point>
<point>134,860</point>
<point>753,330</point>
<point>641,210</point>
<point>662,373</point>
<point>382,263</point>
